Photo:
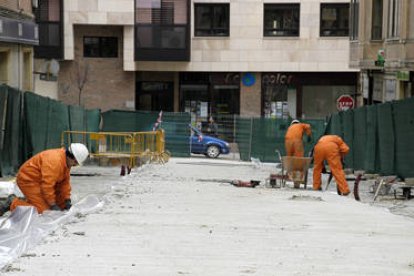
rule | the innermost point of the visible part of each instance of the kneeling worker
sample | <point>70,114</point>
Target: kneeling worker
<point>333,149</point>
<point>44,179</point>
<point>294,136</point>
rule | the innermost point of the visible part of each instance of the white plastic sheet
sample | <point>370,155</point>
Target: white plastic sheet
<point>25,228</point>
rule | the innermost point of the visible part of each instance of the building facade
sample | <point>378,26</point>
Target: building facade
<point>270,58</point>
<point>18,35</point>
<point>382,47</point>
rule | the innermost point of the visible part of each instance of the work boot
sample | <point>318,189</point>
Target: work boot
<point>5,205</point>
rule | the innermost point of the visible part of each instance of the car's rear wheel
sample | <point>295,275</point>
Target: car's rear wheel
<point>213,151</point>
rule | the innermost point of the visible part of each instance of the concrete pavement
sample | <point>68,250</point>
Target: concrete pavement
<point>184,219</point>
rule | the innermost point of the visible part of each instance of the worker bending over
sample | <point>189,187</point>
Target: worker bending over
<point>44,179</point>
<point>333,149</point>
<point>294,136</point>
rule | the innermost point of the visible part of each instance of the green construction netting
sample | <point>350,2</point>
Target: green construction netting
<point>386,139</point>
<point>177,133</point>
<point>371,146</point>
<point>261,137</point>
<point>334,125</point>
<point>11,125</point>
<point>243,137</point>
<point>318,129</point>
<point>348,130</point>
<point>46,119</point>
<point>83,120</point>
<point>175,125</point>
<point>267,136</point>
<point>360,138</point>
<point>403,112</point>
<point>58,121</point>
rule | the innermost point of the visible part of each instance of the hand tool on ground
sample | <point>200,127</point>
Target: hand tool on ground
<point>249,184</point>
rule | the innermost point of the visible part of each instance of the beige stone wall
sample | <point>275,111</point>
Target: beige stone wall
<point>95,12</point>
<point>250,98</point>
<point>18,5</point>
<point>16,66</point>
<point>247,50</point>
<point>107,86</point>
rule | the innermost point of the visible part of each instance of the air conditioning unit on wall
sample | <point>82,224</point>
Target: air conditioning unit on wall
<point>35,3</point>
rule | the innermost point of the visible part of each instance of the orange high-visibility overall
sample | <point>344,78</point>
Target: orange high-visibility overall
<point>331,148</point>
<point>293,139</point>
<point>44,181</point>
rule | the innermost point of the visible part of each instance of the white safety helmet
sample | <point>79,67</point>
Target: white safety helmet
<point>79,151</point>
<point>294,122</point>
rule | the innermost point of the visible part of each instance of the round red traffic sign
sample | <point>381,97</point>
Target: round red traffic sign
<point>345,102</point>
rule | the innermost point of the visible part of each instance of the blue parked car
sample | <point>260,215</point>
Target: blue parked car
<point>209,146</point>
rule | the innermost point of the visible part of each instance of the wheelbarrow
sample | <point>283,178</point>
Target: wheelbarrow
<point>296,169</point>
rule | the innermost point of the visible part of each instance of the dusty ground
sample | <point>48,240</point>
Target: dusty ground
<point>184,219</point>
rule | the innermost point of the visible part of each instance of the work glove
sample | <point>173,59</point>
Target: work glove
<point>54,207</point>
<point>68,204</point>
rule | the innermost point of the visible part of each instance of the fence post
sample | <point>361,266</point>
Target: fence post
<point>251,137</point>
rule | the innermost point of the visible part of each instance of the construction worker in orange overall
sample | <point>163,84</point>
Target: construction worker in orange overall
<point>294,136</point>
<point>333,149</point>
<point>44,179</point>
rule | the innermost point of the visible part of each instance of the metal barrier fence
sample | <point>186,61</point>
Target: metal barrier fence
<point>128,148</point>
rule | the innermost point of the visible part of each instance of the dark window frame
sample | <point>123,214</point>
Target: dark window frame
<point>214,9</point>
<point>377,20</point>
<point>100,47</point>
<point>282,31</point>
<point>334,31</point>
<point>394,14</point>
<point>354,20</point>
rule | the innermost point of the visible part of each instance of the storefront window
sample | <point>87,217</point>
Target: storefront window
<point>155,96</point>
<point>275,96</point>
<point>215,95</point>
<point>320,101</point>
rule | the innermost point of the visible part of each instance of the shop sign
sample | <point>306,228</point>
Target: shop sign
<point>276,79</point>
<point>403,75</point>
<point>225,78</point>
<point>345,102</point>
<point>248,79</point>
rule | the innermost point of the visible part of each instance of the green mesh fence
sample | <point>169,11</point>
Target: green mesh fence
<point>261,137</point>
<point>348,137</point>
<point>129,121</point>
<point>403,112</point>
<point>177,132</point>
<point>11,124</point>
<point>360,138</point>
<point>267,136</point>
<point>386,139</point>
<point>379,137</point>
<point>243,137</point>
<point>371,145</point>
<point>318,129</point>
<point>46,119</point>
<point>334,125</point>
<point>36,117</point>
<point>58,121</point>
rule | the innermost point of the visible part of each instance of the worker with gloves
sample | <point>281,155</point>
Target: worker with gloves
<point>44,179</point>
<point>294,136</point>
<point>333,149</point>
